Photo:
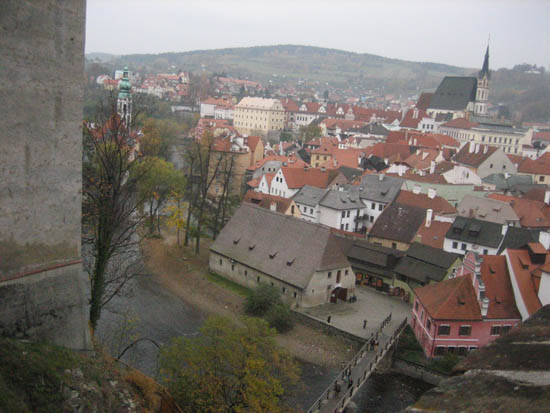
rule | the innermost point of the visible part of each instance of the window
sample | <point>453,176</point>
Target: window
<point>505,329</point>
<point>439,351</point>
<point>371,219</point>
<point>221,262</point>
<point>444,330</point>
<point>451,349</point>
<point>373,206</point>
<point>245,273</point>
<point>495,330</point>
<point>338,275</point>
<point>329,274</point>
<point>541,178</point>
<point>294,294</point>
<point>465,330</point>
<point>491,166</point>
<point>347,226</point>
<point>455,245</point>
<point>346,272</point>
<point>284,290</point>
<point>429,324</point>
<point>485,251</point>
<point>348,214</point>
<point>232,267</point>
<point>311,210</point>
<point>394,245</point>
<point>416,306</point>
<point>292,209</point>
<point>343,214</point>
<point>380,206</point>
<point>463,247</point>
<point>258,278</point>
<point>462,351</point>
<point>342,226</point>
<point>472,348</point>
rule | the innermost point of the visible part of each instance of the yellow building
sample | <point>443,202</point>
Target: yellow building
<point>258,115</point>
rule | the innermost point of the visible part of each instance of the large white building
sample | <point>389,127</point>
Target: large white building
<point>254,115</point>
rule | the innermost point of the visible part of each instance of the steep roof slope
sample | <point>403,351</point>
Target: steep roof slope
<point>298,250</point>
<point>454,93</point>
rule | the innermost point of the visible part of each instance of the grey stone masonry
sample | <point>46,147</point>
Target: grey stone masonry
<point>41,92</point>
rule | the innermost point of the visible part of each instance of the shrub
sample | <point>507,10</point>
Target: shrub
<point>279,317</point>
<point>261,299</point>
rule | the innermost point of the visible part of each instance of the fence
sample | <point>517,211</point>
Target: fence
<point>335,388</point>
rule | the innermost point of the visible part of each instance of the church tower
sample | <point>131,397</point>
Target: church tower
<point>124,101</point>
<point>482,95</point>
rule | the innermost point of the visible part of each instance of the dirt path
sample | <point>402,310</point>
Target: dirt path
<point>182,272</point>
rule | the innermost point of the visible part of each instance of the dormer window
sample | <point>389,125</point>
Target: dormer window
<point>273,255</point>
<point>251,247</point>
<point>236,241</point>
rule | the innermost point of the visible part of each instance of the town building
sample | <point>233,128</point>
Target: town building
<point>538,169</point>
<point>470,234</point>
<point>487,209</point>
<point>529,269</point>
<point>377,192</point>
<point>304,261</point>
<point>466,312</point>
<point>284,206</point>
<point>422,265</point>
<point>253,115</point>
<point>397,226</point>
<point>484,160</point>
<point>288,181</point>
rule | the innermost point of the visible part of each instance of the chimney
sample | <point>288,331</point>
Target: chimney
<point>477,147</point>
<point>415,142</point>
<point>485,149</point>
<point>415,113</point>
<point>432,167</point>
<point>400,171</point>
<point>273,206</point>
<point>416,189</point>
<point>381,177</point>
<point>547,197</point>
<point>429,214</point>
<point>506,175</point>
<point>305,168</point>
<point>323,169</point>
<point>472,147</point>
<point>432,193</point>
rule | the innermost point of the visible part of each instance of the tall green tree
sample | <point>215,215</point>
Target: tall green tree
<point>229,368</point>
<point>309,132</point>
<point>158,136</point>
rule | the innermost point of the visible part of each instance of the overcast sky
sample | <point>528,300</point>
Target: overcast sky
<point>453,32</point>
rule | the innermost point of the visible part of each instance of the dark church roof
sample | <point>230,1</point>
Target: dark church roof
<point>454,93</point>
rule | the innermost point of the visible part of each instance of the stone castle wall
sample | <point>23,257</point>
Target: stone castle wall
<point>41,92</point>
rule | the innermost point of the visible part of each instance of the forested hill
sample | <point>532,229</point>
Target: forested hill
<point>292,63</point>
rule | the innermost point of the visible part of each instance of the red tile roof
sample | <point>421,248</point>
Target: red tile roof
<point>460,123</point>
<point>252,142</point>
<point>292,161</point>
<point>423,101</point>
<point>438,204</point>
<point>527,282</point>
<point>265,200</point>
<point>289,105</point>
<point>539,166</point>
<point>498,288</point>
<point>532,214</point>
<point>434,235</point>
<point>296,178</point>
<point>343,124</point>
<point>392,151</point>
<point>413,117</point>
<point>453,299</point>
<point>474,159</point>
<point>541,136</point>
<point>516,159</point>
<point>423,159</point>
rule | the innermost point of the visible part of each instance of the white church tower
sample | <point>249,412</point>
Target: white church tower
<point>482,95</point>
<point>124,101</point>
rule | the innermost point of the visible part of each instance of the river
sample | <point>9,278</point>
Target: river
<point>162,315</point>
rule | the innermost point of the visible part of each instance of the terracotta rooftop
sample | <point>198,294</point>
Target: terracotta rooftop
<point>539,166</point>
<point>460,123</point>
<point>434,235</point>
<point>296,178</point>
<point>532,214</point>
<point>453,299</point>
<point>465,157</point>
<point>498,288</point>
<point>265,201</point>
<point>438,204</point>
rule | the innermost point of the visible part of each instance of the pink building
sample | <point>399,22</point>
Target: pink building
<point>468,311</point>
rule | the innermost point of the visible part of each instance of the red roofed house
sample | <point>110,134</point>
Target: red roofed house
<point>413,118</point>
<point>432,231</point>
<point>484,160</point>
<point>529,270</point>
<point>466,312</point>
<point>440,206</point>
<point>539,168</point>
<point>532,214</point>
<point>288,181</point>
<point>274,203</point>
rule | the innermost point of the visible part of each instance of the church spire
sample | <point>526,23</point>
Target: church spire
<point>485,69</point>
<point>124,101</point>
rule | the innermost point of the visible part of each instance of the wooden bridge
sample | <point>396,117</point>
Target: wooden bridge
<point>339,393</point>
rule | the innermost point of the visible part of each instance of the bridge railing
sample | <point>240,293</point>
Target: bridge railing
<point>334,388</point>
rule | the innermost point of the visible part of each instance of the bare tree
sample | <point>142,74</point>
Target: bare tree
<point>110,204</point>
